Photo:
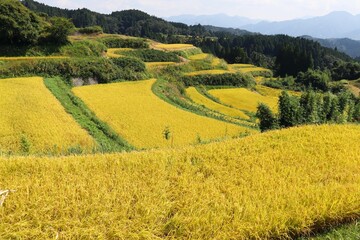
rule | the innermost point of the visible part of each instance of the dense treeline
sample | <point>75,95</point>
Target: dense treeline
<point>311,108</point>
<point>285,55</point>
<point>129,22</point>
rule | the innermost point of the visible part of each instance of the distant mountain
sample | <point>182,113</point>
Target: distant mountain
<point>333,25</point>
<point>346,45</point>
<point>219,20</point>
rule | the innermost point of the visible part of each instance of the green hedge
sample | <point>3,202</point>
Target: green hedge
<point>151,55</point>
<point>129,63</point>
<point>102,69</point>
<point>226,79</point>
<point>114,42</point>
<point>83,48</point>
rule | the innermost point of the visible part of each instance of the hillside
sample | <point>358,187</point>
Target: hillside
<point>261,50</point>
<point>212,136</point>
<point>264,186</point>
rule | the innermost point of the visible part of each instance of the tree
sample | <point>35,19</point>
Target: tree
<point>59,29</point>
<point>267,119</point>
<point>18,25</point>
<point>289,110</point>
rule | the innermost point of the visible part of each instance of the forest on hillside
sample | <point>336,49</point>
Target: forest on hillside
<point>283,54</point>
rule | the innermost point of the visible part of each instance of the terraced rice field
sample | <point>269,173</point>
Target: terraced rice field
<point>204,72</point>
<point>202,100</point>
<point>158,64</point>
<point>246,68</point>
<point>33,121</point>
<point>199,57</point>
<point>30,58</point>
<point>173,47</point>
<point>244,99</point>
<point>113,52</point>
<point>266,186</point>
<point>140,117</point>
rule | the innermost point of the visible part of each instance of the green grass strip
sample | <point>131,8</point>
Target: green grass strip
<point>107,139</point>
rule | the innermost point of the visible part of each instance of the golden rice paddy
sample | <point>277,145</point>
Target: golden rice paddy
<point>141,118</point>
<point>33,121</point>
<point>266,186</point>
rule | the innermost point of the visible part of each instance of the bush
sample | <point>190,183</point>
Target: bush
<point>151,55</point>
<point>83,49</point>
<point>114,42</point>
<point>91,30</point>
<point>132,64</point>
<point>227,79</point>
<point>102,69</point>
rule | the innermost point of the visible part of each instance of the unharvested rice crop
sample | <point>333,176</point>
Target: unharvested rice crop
<point>30,58</point>
<point>158,64</point>
<point>201,56</point>
<point>141,118</point>
<point>216,61</point>
<point>202,100</point>
<point>173,47</point>
<point>264,186</point>
<point>33,121</point>
<point>204,72</point>
<point>244,99</point>
<point>111,52</point>
<point>246,68</point>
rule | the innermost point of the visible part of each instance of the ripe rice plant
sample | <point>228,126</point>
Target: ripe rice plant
<point>202,100</point>
<point>140,117</point>
<point>200,56</point>
<point>173,47</point>
<point>33,121</point>
<point>205,72</point>
<point>112,52</point>
<point>31,58</point>
<point>267,186</point>
<point>244,99</point>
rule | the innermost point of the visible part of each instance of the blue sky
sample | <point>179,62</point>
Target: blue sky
<point>256,9</point>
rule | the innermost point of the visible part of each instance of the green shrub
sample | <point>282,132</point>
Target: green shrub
<point>102,69</point>
<point>151,55</point>
<point>83,49</point>
<point>227,79</point>
<point>129,63</point>
<point>114,42</point>
<point>91,30</point>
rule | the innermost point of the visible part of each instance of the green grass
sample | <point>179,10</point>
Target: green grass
<point>106,138</point>
<point>345,232</point>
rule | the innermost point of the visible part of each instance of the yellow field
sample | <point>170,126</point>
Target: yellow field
<point>111,52</point>
<point>158,64</point>
<point>216,61</point>
<point>30,58</point>
<point>140,117</point>
<point>260,187</point>
<point>244,99</point>
<point>246,68</point>
<point>203,72</point>
<point>202,100</point>
<point>173,47</point>
<point>29,113</point>
<point>201,56</point>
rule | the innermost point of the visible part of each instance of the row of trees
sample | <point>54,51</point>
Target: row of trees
<point>310,108</point>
